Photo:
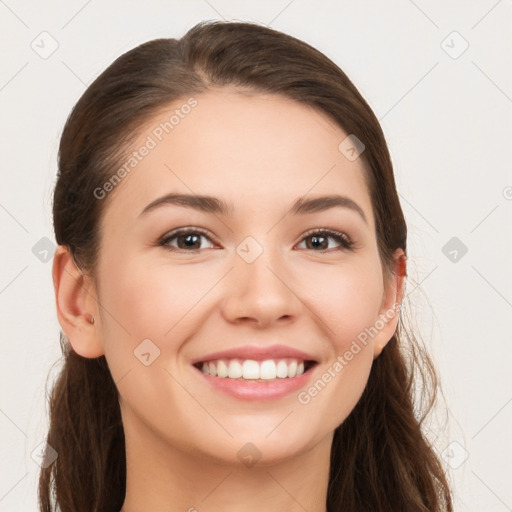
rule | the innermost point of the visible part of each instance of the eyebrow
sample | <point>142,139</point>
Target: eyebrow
<point>210,204</point>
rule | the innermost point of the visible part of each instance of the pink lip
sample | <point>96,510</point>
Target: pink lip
<point>247,390</point>
<point>257,354</point>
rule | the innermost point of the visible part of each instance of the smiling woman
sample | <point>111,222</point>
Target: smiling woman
<point>230,305</point>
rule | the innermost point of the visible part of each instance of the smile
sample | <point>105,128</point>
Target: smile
<point>248,379</point>
<point>250,369</point>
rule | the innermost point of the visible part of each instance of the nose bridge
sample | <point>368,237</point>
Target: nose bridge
<point>255,259</point>
<point>258,287</point>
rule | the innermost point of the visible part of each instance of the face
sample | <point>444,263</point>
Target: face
<point>248,279</point>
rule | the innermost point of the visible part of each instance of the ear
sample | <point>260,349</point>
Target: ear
<point>77,305</point>
<point>391,302</point>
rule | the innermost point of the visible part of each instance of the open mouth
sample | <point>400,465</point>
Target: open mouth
<point>259,371</point>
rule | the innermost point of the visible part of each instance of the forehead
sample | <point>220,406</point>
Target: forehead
<point>252,149</point>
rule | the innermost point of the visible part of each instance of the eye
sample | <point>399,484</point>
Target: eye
<point>187,239</point>
<point>320,240</point>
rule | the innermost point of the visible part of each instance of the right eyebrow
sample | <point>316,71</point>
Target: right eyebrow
<point>207,204</point>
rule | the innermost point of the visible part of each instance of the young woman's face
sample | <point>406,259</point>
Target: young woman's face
<point>253,277</point>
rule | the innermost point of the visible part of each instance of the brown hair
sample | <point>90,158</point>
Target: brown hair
<point>380,458</point>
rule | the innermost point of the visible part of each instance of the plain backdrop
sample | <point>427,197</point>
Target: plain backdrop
<point>437,75</point>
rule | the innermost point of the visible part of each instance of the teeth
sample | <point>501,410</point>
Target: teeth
<point>222,369</point>
<point>292,369</point>
<point>282,369</point>
<point>268,370</point>
<point>234,370</point>
<point>250,369</point>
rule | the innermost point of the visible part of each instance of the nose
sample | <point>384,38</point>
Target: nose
<point>261,292</point>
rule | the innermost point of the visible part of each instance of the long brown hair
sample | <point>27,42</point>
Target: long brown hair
<point>380,458</point>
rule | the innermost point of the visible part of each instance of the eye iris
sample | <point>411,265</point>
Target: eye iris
<point>315,243</point>
<point>193,239</point>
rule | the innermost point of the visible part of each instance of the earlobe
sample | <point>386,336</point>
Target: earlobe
<point>392,301</point>
<point>77,307</point>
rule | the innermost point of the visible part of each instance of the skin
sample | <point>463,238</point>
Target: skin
<point>260,153</point>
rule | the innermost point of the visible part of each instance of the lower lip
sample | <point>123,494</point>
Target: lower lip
<point>253,390</point>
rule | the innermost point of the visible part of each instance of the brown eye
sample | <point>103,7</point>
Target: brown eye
<point>320,240</point>
<point>188,240</point>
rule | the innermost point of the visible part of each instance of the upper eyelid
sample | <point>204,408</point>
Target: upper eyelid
<point>178,231</point>
<point>328,232</point>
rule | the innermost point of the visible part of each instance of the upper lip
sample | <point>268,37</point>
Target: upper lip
<point>257,353</point>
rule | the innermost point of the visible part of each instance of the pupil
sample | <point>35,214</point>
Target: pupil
<point>189,240</point>
<point>315,240</point>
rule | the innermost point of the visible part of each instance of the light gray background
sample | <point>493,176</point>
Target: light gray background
<point>447,116</point>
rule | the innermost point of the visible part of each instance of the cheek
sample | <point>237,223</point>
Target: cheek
<point>348,307</point>
<point>163,303</point>
<point>346,298</point>
<point>150,300</point>
<point>348,302</point>
<point>156,303</point>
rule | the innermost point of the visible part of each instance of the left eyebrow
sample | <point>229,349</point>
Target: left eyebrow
<point>320,204</point>
<point>210,204</point>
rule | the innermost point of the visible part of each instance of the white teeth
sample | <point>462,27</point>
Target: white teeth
<point>250,369</point>
<point>292,369</point>
<point>234,369</point>
<point>222,369</point>
<point>282,369</point>
<point>268,370</point>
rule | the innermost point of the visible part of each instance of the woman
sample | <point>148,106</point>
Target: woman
<point>230,270</point>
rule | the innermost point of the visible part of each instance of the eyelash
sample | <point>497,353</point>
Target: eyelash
<point>346,243</point>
